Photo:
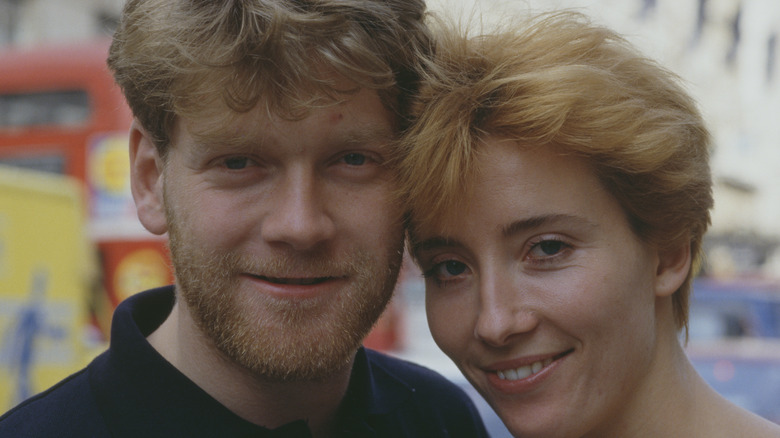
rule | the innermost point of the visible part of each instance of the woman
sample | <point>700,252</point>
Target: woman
<point>559,189</point>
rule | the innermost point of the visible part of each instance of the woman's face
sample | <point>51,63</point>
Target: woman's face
<point>541,293</point>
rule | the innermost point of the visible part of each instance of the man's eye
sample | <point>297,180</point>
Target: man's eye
<point>355,159</point>
<point>236,163</point>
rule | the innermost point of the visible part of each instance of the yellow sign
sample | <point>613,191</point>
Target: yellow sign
<point>45,277</point>
<point>140,270</point>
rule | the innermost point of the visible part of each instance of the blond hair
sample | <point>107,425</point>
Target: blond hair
<point>186,57</point>
<point>559,81</point>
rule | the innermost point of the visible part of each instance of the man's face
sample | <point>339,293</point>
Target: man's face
<point>284,240</point>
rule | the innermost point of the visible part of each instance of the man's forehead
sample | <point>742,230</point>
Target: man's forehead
<point>230,128</point>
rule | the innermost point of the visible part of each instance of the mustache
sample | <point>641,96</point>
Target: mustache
<point>280,265</point>
<point>289,266</point>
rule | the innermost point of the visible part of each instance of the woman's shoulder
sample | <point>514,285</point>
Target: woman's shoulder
<point>725,419</point>
<point>749,424</point>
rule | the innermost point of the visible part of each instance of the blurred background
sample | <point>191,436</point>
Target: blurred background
<point>71,247</point>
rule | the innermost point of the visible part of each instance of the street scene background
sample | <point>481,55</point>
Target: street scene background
<point>726,52</point>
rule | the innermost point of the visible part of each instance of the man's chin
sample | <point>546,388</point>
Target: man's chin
<point>284,340</point>
<point>301,357</point>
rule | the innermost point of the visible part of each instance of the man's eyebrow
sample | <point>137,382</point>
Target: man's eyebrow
<point>206,142</point>
<point>531,223</point>
<point>372,134</point>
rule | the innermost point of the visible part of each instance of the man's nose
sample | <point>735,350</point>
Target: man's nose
<point>503,311</point>
<point>298,216</point>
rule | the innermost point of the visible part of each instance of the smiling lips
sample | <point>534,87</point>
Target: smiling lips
<point>526,371</point>
<point>523,372</point>
<point>296,287</point>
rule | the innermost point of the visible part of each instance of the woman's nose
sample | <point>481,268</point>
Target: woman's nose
<point>503,312</point>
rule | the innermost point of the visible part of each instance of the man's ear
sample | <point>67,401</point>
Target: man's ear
<point>672,270</point>
<point>146,180</point>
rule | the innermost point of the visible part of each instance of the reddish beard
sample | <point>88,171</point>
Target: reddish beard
<point>277,339</point>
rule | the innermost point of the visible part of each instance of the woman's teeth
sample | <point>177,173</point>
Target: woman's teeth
<point>524,371</point>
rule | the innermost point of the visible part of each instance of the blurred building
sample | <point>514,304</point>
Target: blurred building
<point>726,50</point>
<point>31,22</point>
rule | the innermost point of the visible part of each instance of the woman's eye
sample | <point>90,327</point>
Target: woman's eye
<point>355,159</point>
<point>452,267</point>
<point>236,163</point>
<point>551,247</point>
<point>446,270</point>
<point>547,249</point>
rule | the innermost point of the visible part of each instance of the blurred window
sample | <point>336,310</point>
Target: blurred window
<point>648,6</point>
<point>54,162</point>
<point>771,51</point>
<point>715,316</point>
<point>48,108</point>
<point>715,320</point>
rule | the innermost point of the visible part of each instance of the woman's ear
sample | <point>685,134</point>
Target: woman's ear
<point>673,268</point>
<point>146,180</point>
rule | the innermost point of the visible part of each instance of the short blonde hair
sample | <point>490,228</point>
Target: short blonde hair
<point>185,57</point>
<point>560,81</point>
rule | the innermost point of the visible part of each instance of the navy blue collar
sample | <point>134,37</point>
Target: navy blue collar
<point>133,381</point>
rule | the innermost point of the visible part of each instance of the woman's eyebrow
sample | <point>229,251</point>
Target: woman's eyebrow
<point>433,243</point>
<point>509,230</point>
<point>531,223</point>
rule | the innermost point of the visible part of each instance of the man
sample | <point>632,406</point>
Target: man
<point>262,145</point>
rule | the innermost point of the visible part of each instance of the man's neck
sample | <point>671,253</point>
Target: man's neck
<point>265,403</point>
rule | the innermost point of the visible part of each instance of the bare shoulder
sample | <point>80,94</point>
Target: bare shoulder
<point>754,426</point>
<point>728,420</point>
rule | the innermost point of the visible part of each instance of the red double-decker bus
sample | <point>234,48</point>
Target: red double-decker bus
<point>60,112</point>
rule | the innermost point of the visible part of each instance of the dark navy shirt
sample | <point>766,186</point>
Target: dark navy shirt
<point>132,391</point>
